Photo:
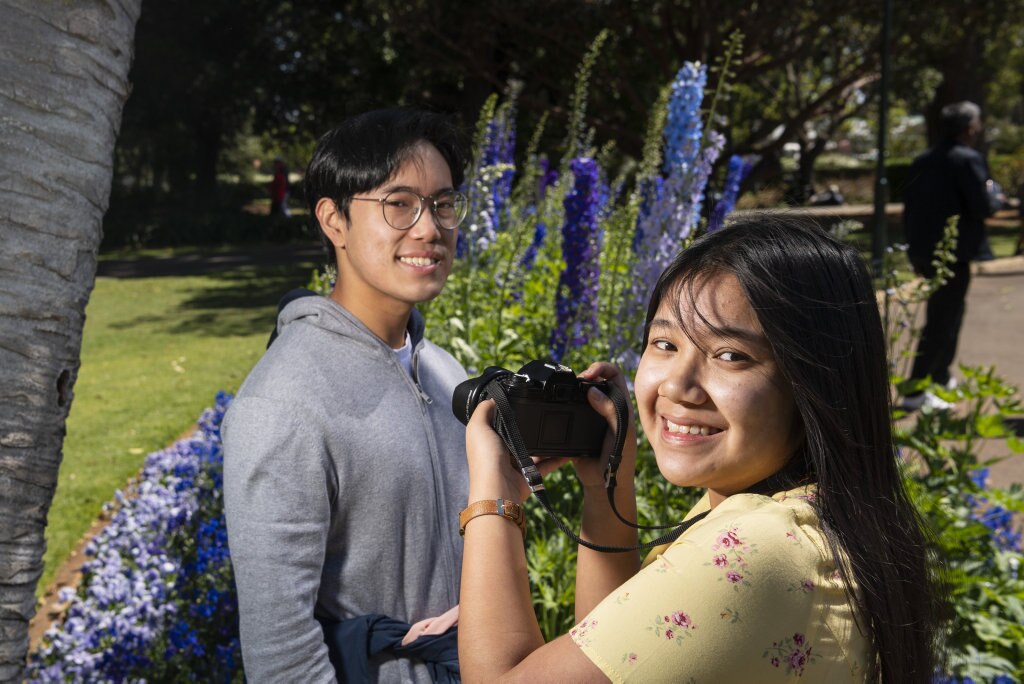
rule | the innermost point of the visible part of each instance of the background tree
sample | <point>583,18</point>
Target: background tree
<point>965,48</point>
<point>208,73</point>
<point>63,81</point>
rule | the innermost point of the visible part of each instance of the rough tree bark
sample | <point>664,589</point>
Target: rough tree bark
<point>63,81</point>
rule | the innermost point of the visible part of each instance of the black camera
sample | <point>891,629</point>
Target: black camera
<point>550,406</point>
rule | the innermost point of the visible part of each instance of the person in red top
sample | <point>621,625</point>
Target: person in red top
<point>279,189</point>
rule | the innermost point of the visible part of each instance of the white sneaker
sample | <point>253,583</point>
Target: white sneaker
<point>925,400</point>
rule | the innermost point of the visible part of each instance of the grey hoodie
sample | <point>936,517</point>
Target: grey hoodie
<point>343,480</point>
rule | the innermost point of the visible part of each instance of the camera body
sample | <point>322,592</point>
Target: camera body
<point>550,405</point>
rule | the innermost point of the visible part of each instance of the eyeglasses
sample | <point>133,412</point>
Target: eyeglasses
<point>402,208</point>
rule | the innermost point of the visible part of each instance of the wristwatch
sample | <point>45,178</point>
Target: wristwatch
<point>503,507</point>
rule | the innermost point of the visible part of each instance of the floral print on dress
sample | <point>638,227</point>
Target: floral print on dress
<point>693,594</point>
<point>674,627</point>
<point>805,586</point>
<point>579,633</point>
<point>793,653</point>
<point>733,616</point>
<point>731,557</point>
<point>806,494</point>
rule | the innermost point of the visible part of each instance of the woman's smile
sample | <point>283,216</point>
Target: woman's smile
<point>711,399</point>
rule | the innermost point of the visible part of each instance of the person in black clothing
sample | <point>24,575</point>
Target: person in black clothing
<point>947,180</point>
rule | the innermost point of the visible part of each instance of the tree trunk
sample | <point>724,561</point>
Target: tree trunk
<point>963,78</point>
<point>63,82</point>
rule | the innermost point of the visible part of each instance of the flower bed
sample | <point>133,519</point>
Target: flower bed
<point>157,597</point>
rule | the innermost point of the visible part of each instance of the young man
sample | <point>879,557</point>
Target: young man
<point>344,467</point>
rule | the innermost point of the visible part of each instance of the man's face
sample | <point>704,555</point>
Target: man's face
<point>973,132</point>
<point>384,269</point>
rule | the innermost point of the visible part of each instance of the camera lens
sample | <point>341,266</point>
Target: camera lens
<point>471,392</point>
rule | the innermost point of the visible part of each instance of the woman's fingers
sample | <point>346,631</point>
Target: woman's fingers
<point>483,413</point>
<point>546,466</point>
<point>603,405</point>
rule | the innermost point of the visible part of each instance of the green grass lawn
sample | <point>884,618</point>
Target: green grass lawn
<point>154,353</point>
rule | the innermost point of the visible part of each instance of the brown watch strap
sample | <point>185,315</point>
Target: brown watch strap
<point>503,507</point>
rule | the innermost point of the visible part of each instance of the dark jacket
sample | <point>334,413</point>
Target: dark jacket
<point>947,180</point>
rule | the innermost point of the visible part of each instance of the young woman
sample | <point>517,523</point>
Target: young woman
<point>763,380</point>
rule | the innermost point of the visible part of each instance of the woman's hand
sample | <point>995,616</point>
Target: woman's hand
<point>434,625</point>
<point>492,474</point>
<point>591,471</point>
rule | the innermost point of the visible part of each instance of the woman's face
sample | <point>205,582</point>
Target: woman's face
<point>716,409</point>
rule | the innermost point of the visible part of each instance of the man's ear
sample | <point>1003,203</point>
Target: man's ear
<point>332,222</point>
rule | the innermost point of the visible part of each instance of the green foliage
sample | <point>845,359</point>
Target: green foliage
<point>979,568</point>
<point>977,546</point>
<point>580,136</point>
<point>1008,171</point>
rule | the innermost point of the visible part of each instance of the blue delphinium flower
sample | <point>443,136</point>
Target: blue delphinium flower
<point>131,597</point>
<point>530,255</point>
<point>548,177</point>
<point>490,185</point>
<point>576,298</point>
<point>997,519</point>
<point>669,213</point>
<point>737,171</point>
<point>670,205</point>
<point>683,125</point>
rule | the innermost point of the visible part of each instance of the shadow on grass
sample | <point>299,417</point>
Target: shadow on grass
<point>236,302</point>
<point>243,302</point>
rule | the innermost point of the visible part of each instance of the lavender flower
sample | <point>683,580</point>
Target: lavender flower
<point>737,171</point>
<point>576,298</point>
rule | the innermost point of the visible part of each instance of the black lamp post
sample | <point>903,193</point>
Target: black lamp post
<point>878,238</point>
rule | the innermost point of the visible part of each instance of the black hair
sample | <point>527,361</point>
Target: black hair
<point>957,118</point>
<point>365,150</point>
<point>814,300</point>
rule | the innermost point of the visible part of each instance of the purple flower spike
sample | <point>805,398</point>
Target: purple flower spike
<point>576,299</point>
<point>739,168</point>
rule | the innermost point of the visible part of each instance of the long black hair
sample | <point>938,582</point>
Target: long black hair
<point>814,300</point>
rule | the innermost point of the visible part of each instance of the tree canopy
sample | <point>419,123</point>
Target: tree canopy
<point>206,73</point>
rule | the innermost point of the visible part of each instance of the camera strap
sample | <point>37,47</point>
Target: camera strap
<point>508,430</point>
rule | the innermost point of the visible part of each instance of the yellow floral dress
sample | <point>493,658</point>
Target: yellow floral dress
<point>749,594</point>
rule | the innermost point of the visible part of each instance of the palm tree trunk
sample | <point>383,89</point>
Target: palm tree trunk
<point>63,81</point>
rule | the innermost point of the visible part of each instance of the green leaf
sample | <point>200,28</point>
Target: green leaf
<point>990,426</point>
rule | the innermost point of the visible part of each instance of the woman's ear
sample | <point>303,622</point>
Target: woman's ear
<point>332,222</point>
